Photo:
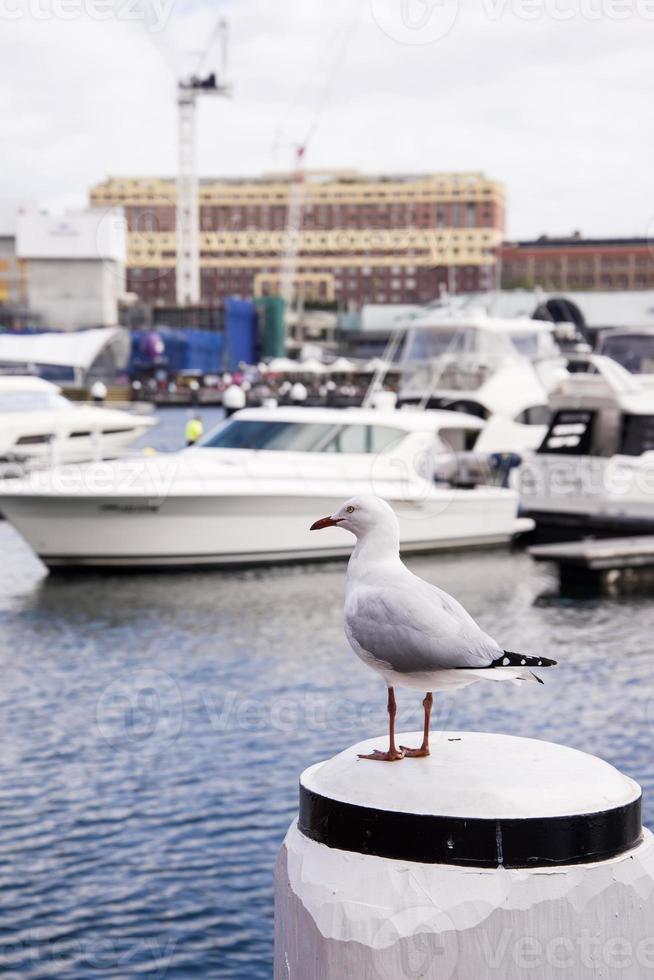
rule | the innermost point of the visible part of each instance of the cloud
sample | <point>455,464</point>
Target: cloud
<point>556,107</point>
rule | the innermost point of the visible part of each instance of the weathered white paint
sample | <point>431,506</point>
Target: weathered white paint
<point>347,916</point>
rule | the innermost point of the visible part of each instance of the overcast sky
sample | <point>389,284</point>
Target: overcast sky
<point>554,98</point>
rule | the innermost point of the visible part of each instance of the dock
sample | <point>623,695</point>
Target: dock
<point>609,564</point>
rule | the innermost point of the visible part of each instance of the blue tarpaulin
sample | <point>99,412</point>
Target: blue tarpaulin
<point>241,332</point>
<point>208,351</point>
<point>183,350</point>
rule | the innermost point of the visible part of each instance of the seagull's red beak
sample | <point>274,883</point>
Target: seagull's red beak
<point>324,522</point>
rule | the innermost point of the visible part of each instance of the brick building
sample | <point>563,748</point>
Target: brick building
<point>578,263</point>
<point>359,239</point>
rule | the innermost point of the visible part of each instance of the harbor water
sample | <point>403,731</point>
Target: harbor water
<point>154,726</point>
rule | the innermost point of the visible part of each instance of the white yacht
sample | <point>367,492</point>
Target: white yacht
<point>38,426</point>
<point>595,468</point>
<point>463,359</point>
<point>250,490</point>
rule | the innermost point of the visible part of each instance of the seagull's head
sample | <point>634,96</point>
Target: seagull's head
<point>363,514</point>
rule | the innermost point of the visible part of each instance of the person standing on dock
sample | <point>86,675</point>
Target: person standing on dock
<point>194,430</point>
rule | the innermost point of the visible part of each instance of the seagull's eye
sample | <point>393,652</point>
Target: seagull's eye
<point>350,510</point>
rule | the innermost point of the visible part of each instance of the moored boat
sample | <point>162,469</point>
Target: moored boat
<point>39,427</point>
<point>249,491</point>
<point>594,470</point>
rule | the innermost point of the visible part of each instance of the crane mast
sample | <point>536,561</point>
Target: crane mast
<point>187,216</point>
<point>289,288</point>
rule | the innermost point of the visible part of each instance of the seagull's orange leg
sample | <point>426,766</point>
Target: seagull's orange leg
<point>393,753</point>
<point>424,748</point>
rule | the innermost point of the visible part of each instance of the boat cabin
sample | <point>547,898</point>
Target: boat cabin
<point>482,365</point>
<point>339,431</point>
<point>601,412</point>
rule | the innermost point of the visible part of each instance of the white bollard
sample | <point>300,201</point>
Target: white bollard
<point>496,857</point>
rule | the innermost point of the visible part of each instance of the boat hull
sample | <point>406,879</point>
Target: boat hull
<point>588,494</point>
<point>228,530</point>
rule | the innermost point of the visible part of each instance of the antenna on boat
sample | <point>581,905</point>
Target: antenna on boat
<point>381,370</point>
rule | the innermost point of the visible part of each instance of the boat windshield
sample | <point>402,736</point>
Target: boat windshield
<point>634,352</point>
<point>637,434</point>
<point>33,401</point>
<point>533,344</point>
<point>301,437</point>
<point>423,344</point>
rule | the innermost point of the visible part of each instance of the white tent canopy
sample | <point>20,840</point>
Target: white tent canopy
<point>84,352</point>
<point>341,366</point>
<point>313,366</point>
<point>379,364</point>
<point>284,365</point>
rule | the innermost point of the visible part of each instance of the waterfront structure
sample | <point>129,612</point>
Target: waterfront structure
<point>495,856</point>
<point>578,263</point>
<point>76,266</point>
<point>382,239</point>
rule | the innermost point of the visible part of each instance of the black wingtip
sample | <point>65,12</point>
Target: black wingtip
<point>510,659</point>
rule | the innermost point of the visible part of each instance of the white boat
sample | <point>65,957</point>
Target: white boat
<point>38,426</point>
<point>250,491</point>
<point>504,368</point>
<point>594,471</point>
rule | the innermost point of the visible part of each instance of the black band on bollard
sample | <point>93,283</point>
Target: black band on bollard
<point>530,842</point>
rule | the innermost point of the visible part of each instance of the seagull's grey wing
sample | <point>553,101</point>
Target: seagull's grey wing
<point>417,629</point>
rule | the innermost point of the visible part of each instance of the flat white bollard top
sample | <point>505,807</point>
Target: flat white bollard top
<point>474,774</point>
<point>479,799</point>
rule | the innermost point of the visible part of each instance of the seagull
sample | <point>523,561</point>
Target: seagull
<point>412,633</point>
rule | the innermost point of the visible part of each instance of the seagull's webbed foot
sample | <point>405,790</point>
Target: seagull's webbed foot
<point>393,755</point>
<point>415,753</point>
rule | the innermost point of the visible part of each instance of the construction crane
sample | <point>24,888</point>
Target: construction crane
<point>187,223</point>
<point>289,288</point>
<point>290,283</point>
